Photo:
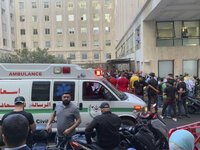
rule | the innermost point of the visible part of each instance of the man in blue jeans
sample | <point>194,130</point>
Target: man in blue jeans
<point>66,113</point>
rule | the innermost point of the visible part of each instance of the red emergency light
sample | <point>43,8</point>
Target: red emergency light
<point>137,107</point>
<point>98,72</point>
<point>66,69</point>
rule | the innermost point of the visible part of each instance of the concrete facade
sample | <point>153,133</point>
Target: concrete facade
<point>144,51</point>
<point>7,27</point>
<point>78,29</point>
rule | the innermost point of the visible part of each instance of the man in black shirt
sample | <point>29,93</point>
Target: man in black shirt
<point>107,128</point>
<point>152,92</point>
<point>170,91</point>
<point>139,87</point>
<point>19,109</point>
<point>182,96</point>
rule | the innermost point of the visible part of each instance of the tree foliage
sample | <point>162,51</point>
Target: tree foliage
<point>27,56</point>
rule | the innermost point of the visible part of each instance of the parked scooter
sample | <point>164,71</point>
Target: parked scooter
<point>193,104</point>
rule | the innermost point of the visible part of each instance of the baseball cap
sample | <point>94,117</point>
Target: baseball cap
<point>104,105</point>
<point>19,99</point>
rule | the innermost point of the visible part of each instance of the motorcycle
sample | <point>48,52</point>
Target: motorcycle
<point>157,126</point>
<point>193,104</point>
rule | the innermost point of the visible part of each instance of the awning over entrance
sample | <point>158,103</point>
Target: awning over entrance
<point>168,10</point>
<point>118,61</point>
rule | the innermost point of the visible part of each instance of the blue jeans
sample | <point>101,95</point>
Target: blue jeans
<point>160,100</point>
<point>62,141</point>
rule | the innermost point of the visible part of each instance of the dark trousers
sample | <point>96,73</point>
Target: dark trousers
<point>152,99</point>
<point>169,101</point>
<point>62,141</point>
<point>182,101</point>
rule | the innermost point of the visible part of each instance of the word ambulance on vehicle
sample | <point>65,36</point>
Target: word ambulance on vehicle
<point>42,86</point>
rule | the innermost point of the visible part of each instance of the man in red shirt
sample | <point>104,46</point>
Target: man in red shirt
<point>123,83</point>
<point>113,80</point>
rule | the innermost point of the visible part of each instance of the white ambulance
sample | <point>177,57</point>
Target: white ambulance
<point>43,84</point>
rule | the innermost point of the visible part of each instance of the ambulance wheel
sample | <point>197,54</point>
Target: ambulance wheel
<point>127,121</point>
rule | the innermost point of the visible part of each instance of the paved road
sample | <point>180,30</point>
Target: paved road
<point>184,121</point>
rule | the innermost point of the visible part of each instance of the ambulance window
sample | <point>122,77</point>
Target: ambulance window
<point>40,91</point>
<point>61,87</point>
<point>94,91</point>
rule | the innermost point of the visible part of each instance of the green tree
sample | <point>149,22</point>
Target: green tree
<point>27,56</point>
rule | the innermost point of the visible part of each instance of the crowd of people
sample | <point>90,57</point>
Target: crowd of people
<point>168,93</point>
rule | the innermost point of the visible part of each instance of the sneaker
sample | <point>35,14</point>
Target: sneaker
<point>175,119</point>
<point>187,116</point>
<point>169,117</point>
<point>161,116</point>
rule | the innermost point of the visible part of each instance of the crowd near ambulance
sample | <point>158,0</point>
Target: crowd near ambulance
<point>65,97</point>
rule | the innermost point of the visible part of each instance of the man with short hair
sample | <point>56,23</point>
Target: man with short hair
<point>152,92</point>
<point>139,87</point>
<point>19,109</point>
<point>15,130</point>
<point>123,83</point>
<point>107,128</point>
<point>66,113</point>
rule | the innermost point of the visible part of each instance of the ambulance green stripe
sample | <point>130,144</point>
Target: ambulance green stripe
<point>39,111</point>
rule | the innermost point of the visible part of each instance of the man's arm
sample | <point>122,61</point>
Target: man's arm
<point>153,88</point>
<point>33,127</point>
<point>89,130</point>
<point>70,129</point>
<point>48,128</point>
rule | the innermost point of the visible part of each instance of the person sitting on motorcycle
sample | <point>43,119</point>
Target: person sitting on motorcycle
<point>107,128</point>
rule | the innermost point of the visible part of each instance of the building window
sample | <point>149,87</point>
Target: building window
<point>71,17</point>
<point>190,67</point>
<point>96,43</point>
<point>46,18</point>
<point>47,44</point>
<point>137,38</point>
<point>13,44</point>
<point>12,30</point>
<point>35,31</point>
<point>34,5</point>
<point>84,56</point>
<point>83,30</point>
<point>46,4</point>
<point>71,30</point>
<point>96,30</point>
<point>4,42</point>
<point>96,4</point>
<point>96,17</point>
<point>11,17</point>
<point>34,18</point>
<point>59,44</point>
<point>72,44</point>
<point>107,2</point>
<point>58,18</point>
<point>83,17</point>
<point>108,55</point>
<point>82,4</point>
<point>96,56</point>
<point>58,4</point>
<point>47,31</point>
<point>23,45</point>
<point>107,29</point>
<point>59,31</point>
<point>84,44</point>
<point>70,6</point>
<point>22,18</point>
<point>21,5</point>
<point>108,43</point>
<point>35,44</point>
<point>11,3</point>
<point>165,68</point>
<point>3,11</point>
<point>72,56</point>
<point>108,17</point>
<point>22,32</point>
<point>4,27</point>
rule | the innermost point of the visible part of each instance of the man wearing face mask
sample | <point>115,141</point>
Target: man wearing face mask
<point>66,113</point>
